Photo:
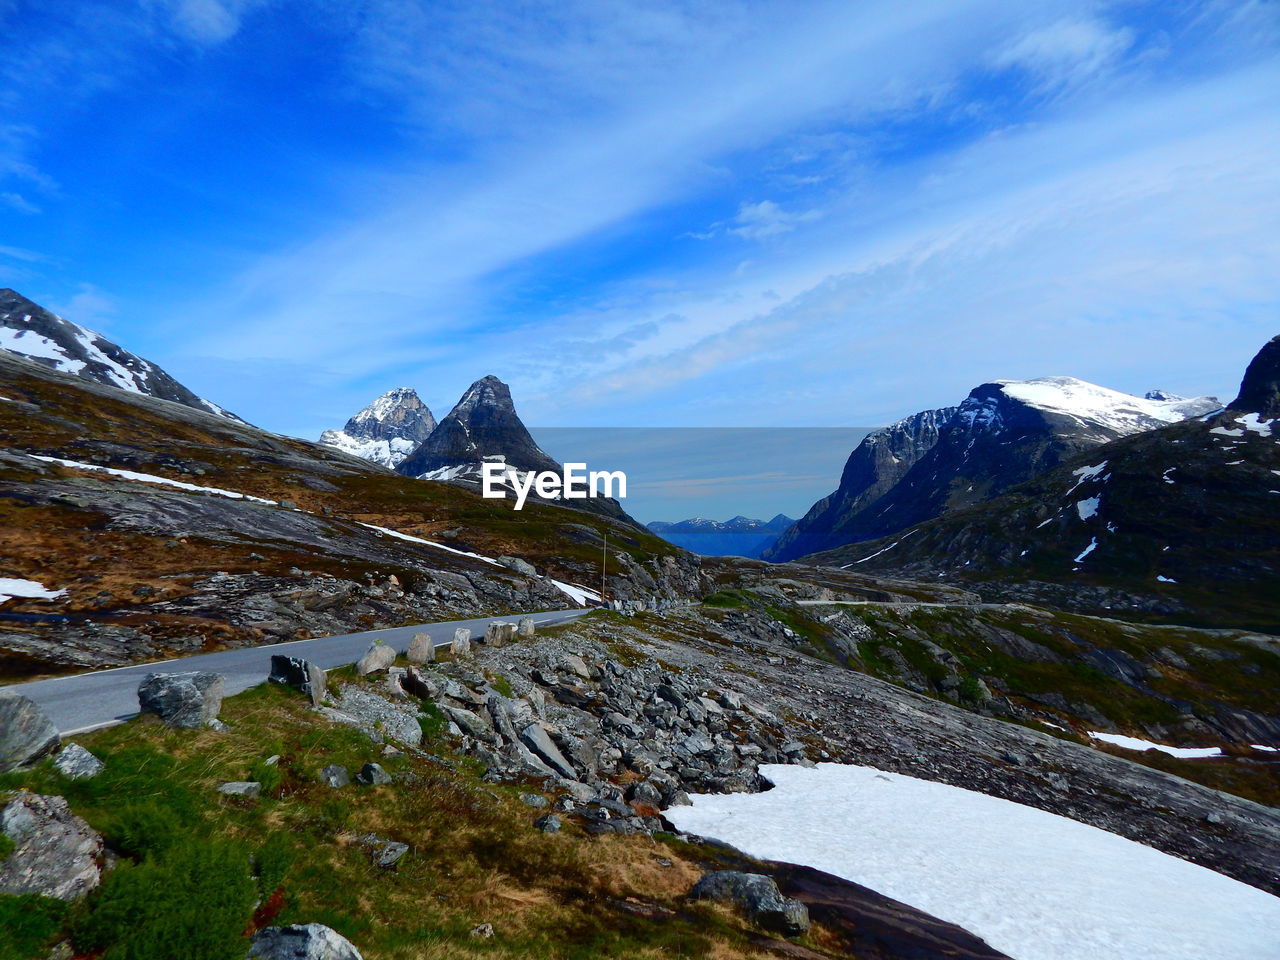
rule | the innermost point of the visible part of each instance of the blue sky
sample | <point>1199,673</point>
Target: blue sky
<point>648,214</point>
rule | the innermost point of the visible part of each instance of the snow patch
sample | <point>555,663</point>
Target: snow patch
<point>1133,743</point>
<point>1165,579</point>
<point>150,478</point>
<point>1034,885</point>
<point>1087,508</point>
<point>11,587</point>
<point>1093,545</point>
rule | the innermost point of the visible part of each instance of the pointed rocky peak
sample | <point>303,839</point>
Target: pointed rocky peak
<point>1260,388</point>
<point>29,330</point>
<point>397,414</point>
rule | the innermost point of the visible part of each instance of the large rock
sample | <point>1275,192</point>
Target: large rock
<point>536,738</point>
<point>378,657</point>
<point>300,674</point>
<point>26,734</point>
<point>758,896</point>
<point>526,627</point>
<point>499,632</point>
<point>76,763</point>
<point>306,941</point>
<point>461,641</point>
<point>184,700</point>
<point>519,566</point>
<point>55,853</point>
<point>380,718</point>
<point>422,649</point>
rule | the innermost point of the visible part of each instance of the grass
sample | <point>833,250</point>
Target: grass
<point>474,854</point>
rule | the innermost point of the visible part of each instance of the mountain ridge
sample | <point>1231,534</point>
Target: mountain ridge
<point>387,431</point>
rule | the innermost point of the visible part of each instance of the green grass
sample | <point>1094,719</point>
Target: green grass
<point>28,925</point>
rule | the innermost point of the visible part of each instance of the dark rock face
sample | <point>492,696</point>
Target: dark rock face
<point>398,414</point>
<point>1260,388</point>
<point>875,466</point>
<point>483,424</point>
<point>26,734</point>
<point>183,700</point>
<point>300,674</point>
<point>758,897</point>
<point>28,329</point>
<point>55,854</point>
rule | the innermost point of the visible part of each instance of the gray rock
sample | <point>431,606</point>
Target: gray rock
<point>183,700</point>
<point>526,627</point>
<point>300,674</point>
<point>77,763</point>
<point>535,800</point>
<point>335,775</point>
<point>519,566</point>
<point>418,683</point>
<point>55,853</point>
<point>26,734</point>
<point>379,656</point>
<point>536,738</point>
<point>389,853</point>
<point>372,775</point>
<point>307,941</point>
<point>461,642</point>
<point>379,717</point>
<point>250,789</point>
<point>483,932</point>
<point>549,823</point>
<point>422,649</point>
<point>758,896</point>
<point>499,632</point>
<point>577,665</point>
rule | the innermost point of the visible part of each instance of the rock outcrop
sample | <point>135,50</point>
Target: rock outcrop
<point>185,700</point>
<point>55,853</point>
<point>26,734</point>
<point>308,941</point>
<point>758,897</point>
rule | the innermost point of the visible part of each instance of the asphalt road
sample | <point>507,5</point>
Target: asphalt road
<point>91,700</point>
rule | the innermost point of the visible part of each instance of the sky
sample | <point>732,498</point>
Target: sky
<point>648,214</point>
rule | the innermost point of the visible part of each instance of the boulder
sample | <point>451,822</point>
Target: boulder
<point>335,776</point>
<point>758,897</point>
<point>519,566</point>
<point>548,823</point>
<point>183,700</point>
<point>498,632</point>
<point>76,763</point>
<point>26,734</point>
<point>380,718</point>
<point>372,775</point>
<point>55,853</point>
<point>388,853</point>
<point>306,941</point>
<point>536,738</point>
<point>422,649</point>
<point>461,642</point>
<point>379,656</point>
<point>417,683</point>
<point>249,789</point>
<point>526,627</point>
<point>302,675</point>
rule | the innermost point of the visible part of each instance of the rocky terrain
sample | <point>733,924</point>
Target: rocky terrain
<point>29,330</point>
<point>1175,525</point>
<point>1004,433</point>
<point>387,430</point>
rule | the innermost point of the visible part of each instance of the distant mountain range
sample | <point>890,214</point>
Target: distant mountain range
<point>739,537</point>
<point>1004,433</point>
<point>1179,522</point>
<point>31,331</point>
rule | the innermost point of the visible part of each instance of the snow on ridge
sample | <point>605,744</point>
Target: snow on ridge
<point>1133,743</point>
<point>388,453</point>
<point>1034,885</point>
<point>11,587</point>
<point>1120,412</point>
<point>152,478</point>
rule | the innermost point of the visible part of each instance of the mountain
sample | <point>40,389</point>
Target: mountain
<point>1180,523</point>
<point>739,537</point>
<point>387,430</point>
<point>1004,433</point>
<point>483,425</point>
<point>31,331</point>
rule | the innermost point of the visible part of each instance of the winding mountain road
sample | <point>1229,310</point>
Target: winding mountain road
<point>88,701</point>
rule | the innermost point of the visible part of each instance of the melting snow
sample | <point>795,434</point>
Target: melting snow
<point>151,478</point>
<point>1224,432</point>
<point>1093,545</point>
<point>1133,743</point>
<point>1034,885</point>
<point>1253,423</point>
<point>1165,579</point>
<point>1087,508</point>
<point>1083,474</point>
<point>885,550</point>
<point>27,589</point>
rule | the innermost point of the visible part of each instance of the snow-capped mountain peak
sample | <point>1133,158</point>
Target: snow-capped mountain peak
<point>387,431</point>
<point>31,331</point>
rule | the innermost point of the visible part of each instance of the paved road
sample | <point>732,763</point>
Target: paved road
<point>91,700</point>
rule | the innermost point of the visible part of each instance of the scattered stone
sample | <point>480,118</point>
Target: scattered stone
<point>422,649</point>
<point>378,717</point>
<point>388,853</point>
<point>378,657</point>
<point>77,763</point>
<point>536,738</point>
<point>335,776</point>
<point>417,683</point>
<point>526,627</point>
<point>372,775</point>
<point>535,800</point>
<point>461,642</point>
<point>483,932</point>
<point>183,700</point>
<point>391,751</point>
<point>307,941</point>
<point>55,853</point>
<point>759,898</point>
<point>519,566</point>
<point>548,823</point>
<point>249,789</point>
<point>301,675</point>
<point>273,760</point>
<point>578,666</point>
<point>26,734</point>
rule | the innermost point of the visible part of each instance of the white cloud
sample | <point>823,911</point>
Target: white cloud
<point>205,22</point>
<point>18,202</point>
<point>1068,52</point>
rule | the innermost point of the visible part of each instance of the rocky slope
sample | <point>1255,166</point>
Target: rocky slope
<point>387,430</point>
<point>1177,524</point>
<point>738,537</point>
<point>159,529</point>
<point>1004,433</point>
<point>29,330</point>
